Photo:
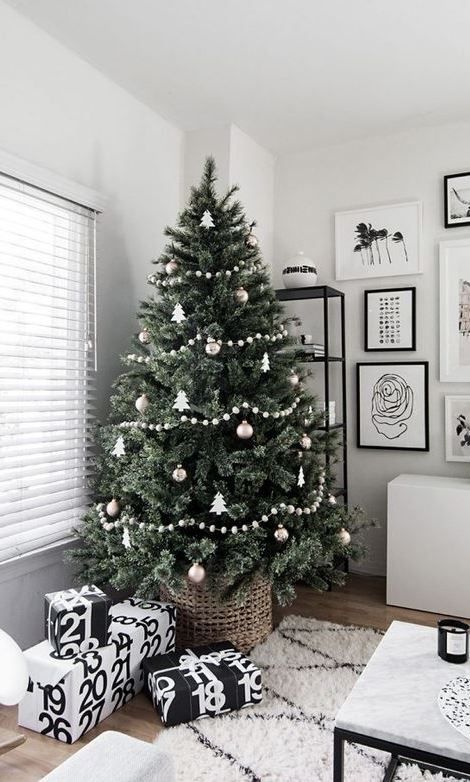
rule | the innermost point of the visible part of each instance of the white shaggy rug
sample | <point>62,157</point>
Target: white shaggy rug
<point>308,669</point>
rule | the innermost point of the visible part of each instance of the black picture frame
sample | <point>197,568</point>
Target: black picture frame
<point>447,219</point>
<point>388,442</point>
<point>388,348</point>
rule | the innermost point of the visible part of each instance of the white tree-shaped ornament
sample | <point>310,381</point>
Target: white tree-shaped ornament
<point>265,365</point>
<point>206,220</point>
<point>178,314</point>
<point>218,505</point>
<point>301,478</point>
<point>126,538</point>
<point>181,402</point>
<point>119,448</point>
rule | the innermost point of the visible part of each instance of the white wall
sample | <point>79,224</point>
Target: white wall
<point>60,113</point>
<point>240,161</point>
<point>198,145</point>
<point>310,187</point>
<point>252,168</point>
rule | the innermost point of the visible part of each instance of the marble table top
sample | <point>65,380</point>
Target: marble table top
<point>396,697</point>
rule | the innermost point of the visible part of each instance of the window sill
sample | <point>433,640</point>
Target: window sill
<point>35,560</point>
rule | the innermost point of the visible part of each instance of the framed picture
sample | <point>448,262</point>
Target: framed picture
<point>457,427</point>
<point>392,405</point>
<point>379,241</point>
<point>456,200</point>
<point>454,259</point>
<point>390,319</point>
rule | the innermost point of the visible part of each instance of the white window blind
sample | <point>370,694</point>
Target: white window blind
<point>47,364</point>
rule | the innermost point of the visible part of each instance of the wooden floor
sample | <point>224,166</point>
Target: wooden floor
<point>361,602</point>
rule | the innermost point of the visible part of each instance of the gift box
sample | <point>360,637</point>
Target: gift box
<point>68,697</point>
<point>77,620</point>
<point>190,684</point>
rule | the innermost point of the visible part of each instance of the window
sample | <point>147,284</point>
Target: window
<point>47,364</point>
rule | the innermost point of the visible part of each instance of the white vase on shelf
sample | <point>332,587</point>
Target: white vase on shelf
<point>299,272</point>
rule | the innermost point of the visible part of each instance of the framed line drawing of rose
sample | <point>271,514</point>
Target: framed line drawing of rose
<point>393,405</point>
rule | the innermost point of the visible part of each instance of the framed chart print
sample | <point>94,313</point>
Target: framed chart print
<point>457,427</point>
<point>456,200</point>
<point>454,259</point>
<point>378,241</point>
<point>390,319</point>
<point>392,405</point>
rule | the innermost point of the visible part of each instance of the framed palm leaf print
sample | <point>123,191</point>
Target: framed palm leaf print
<point>378,241</point>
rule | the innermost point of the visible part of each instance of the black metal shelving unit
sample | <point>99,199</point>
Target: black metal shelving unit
<point>323,294</point>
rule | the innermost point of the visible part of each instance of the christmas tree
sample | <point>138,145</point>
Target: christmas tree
<point>213,455</point>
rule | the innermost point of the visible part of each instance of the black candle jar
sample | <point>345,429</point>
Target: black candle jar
<point>452,640</point>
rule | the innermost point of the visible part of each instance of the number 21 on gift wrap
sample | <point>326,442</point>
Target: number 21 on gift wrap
<point>71,638</point>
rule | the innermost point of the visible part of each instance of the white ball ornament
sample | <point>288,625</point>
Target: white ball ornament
<point>281,534</point>
<point>171,267</point>
<point>113,508</point>
<point>332,500</point>
<point>226,417</point>
<point>241,295</point>
<point>290,509</point>
<point>212,348</point>
<point>144,337</point>
<point>179,474</point>
<point>305,442</point>
<point>196,573</point>
<point>244,430</point>
<point>344,537</point>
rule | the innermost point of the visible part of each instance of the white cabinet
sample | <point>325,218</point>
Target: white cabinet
<point>428,544</point>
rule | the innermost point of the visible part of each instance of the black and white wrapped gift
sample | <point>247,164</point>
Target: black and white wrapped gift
<point>68,697</point>
<point>77,620</point>
<point>205,681</point>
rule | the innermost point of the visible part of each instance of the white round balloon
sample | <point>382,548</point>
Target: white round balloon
<point>14,675</point>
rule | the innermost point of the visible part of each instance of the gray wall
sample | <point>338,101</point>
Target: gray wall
<point>310,187</point>
<point>60,113</point>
